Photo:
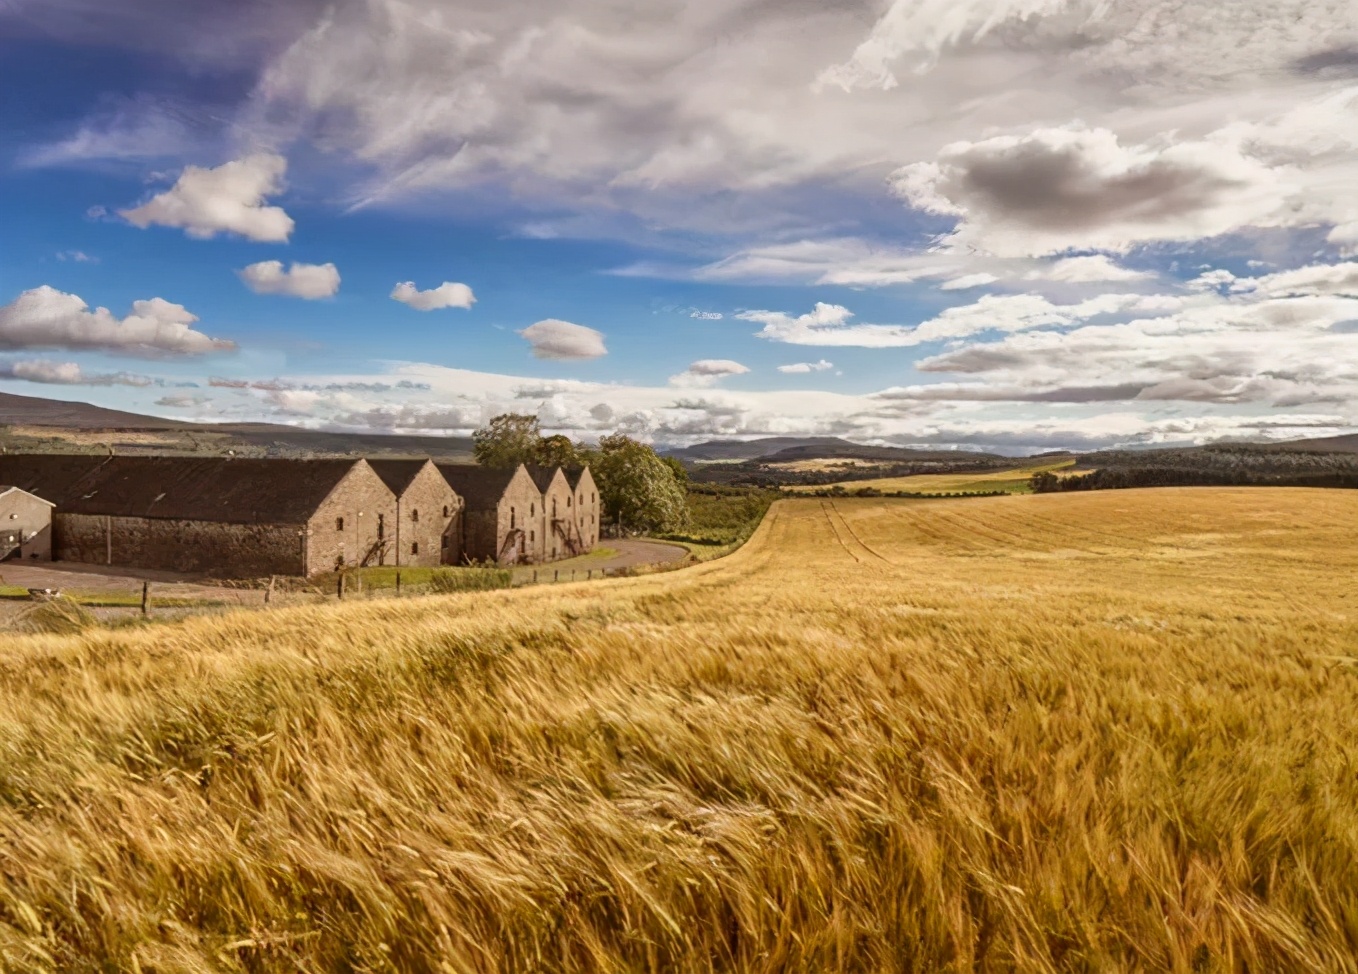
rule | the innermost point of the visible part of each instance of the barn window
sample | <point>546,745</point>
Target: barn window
<point>339,524</point>
<point>414,547</point>
<point>511,519</point>
<point>443,542</point>
<point>532,536</point>
<point>568,502</point>
<point>415,515</point>
<point>445,510</point>
<point>553,507</point>
<point>532,510</point>
<point>591,497</point>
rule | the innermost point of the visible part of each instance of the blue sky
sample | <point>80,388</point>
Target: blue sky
<point>1012,224</point>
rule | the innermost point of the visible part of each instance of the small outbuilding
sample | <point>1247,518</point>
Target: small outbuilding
<point>428,525</point>
<point>25,525</point>
<point>501,521</point>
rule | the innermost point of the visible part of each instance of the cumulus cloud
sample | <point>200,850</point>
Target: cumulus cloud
<point>801,368</point>
<point>826,324</point>
<point>552,338</point>
<point>968,281</point>
<point>1057,189</point>
<point>68,374</point>
<point>446,295</point>
<point>708,371</point>
<point>227,199</point>
<point>309,281</point>
<point>47,318</point>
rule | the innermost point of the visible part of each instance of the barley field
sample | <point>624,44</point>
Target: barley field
<point>1014,481</point>
<point>1114,731</point>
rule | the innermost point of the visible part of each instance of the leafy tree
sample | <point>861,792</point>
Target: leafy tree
<point>638,489</point>
<point>677,468</point>
<point>1045,482</point>
<point>507,441</point>
<point>557,451</point>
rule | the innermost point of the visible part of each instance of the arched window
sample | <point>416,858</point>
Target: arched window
<point>415,514</point>
<point>339,524</point>
<point>553,507</point>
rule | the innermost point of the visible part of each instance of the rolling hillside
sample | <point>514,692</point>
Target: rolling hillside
<point>1028,734</point>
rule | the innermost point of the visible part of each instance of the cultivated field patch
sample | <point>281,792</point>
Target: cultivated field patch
<point>1109,731</point>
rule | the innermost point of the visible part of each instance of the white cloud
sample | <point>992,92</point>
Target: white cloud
<point>552,338</point>
<point>227,199</point>
<point>1096,268</point>
<point>1057,189</point>
<point>47,318</point>
<point>446,295</point>
<point>68,374</point>
<point>968,281</point>
<point>800,368</point>
<point>76,256</point>
<point>706,315</point>
<point>828,324</point>
<point>707,372</point>
<point>309,281</point>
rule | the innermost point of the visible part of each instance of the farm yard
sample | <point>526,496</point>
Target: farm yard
<point>1109,731</point>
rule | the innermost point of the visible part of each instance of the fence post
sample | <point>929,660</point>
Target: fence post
<point>590,575</point>
<point>268,592</point>
<point>572,574</point>
<point>535,576</point>
<point>145,598</point>
<point>556,574</point>
<point>398,583</point>
<point>339,587</point>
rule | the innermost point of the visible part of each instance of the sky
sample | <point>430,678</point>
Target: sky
<point>1013,225</point>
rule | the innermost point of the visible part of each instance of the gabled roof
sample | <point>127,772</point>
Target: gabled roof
<point>6,488</point>
<point>481,487</point>
<point>575,474</point>
<point>239,491</point>
<point>398,474</point>
<point>542,476</point>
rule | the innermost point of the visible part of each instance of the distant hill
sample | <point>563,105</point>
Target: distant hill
<point>1325,444</point>
<point>753,449</point>
<point>75,427</point>
<point>35,411</point>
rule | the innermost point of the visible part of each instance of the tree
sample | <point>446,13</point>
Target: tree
<point>637,488</point>
<point>557,451</point>
<point>677,468</point>
<point>1045,482</point>
<point>507,441</point>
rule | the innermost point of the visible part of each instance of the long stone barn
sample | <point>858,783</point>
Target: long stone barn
<point>229,517</point>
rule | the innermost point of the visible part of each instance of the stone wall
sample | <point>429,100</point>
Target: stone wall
<point>518,513</point>
<point>587,510</point>
<point>230,550</point>
<point>429,521</point>
<point>25,527</point>
<point>558,512</point>
<point>354,526</point>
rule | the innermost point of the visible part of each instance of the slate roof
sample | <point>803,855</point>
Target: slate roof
<point>481,487</point>
<point>542,476</point>
<point>573,476</point>
<point>397,474</point>
<point>230,490</point>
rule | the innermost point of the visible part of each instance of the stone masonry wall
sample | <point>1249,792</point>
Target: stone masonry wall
<point>355,525</point>
<point>25,527</point>
<point>557,505</point>
<point>231,550</point>
<point>429,522</point>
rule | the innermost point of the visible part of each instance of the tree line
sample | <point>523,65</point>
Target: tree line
<point>1116,478</point>
<point>640,491</point>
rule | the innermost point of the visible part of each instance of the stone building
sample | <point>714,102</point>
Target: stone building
<point>559,534</point>
<point>25,525</point>
<point>231,517</point>
<point>502,519</point>
<point>587,512</point>
<point>428,524</point>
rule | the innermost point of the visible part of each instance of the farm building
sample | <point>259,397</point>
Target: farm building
<point>502,518</point>
<point>25,525</point>
<point>428,524</point>
<point>237,517</point>
<point>556,522</point>
<point>587,514</point>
